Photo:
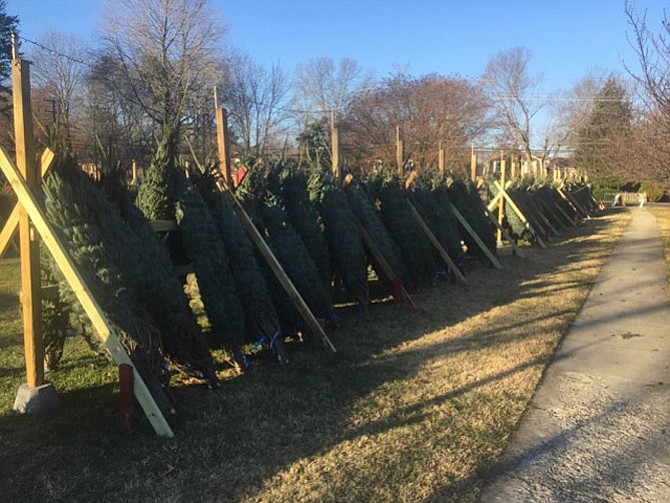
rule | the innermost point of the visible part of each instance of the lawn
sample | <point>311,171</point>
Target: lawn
<point>414,406</point>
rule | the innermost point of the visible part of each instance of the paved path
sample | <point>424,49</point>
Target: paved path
<point>598,428</point>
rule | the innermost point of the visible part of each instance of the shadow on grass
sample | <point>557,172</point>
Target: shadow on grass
<point>230,443</point>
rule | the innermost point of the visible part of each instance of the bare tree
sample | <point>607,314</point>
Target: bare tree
<point>653,135</point>
<point>164,48</point>
<point>428,109</point>
<point>254,96</point>
<point>322,86</point>
<point>515,91</point>
<point>59,71</point>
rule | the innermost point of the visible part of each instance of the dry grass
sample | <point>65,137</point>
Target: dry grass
<point>662,214</point>
<point>413,407</point>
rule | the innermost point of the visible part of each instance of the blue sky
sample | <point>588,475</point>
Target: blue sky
<point>450,37</point>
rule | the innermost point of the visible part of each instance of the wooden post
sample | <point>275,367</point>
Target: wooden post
<point>503,194</point>
<point>222,140</point>
<point>29,245</point>
<point>335,158</point>
<point>473,164</point>
<point>399,152</point>
<point>512,162</point>
<point>501,203</point>
<point>440,159</point>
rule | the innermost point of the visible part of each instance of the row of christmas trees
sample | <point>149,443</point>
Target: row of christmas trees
<point>310,223</point>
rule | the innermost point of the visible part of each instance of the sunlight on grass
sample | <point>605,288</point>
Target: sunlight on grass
<point>415,406</point>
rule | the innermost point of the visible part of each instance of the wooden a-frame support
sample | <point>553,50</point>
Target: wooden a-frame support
<point>574,203</point>
<point>503,193</point>
<point>11,225</point>
<point>468,228</point>
<point>257,238</point>
<point>436,244</point>
<point>505,233</point>
<point>102,326</point>
<point>403,296</point>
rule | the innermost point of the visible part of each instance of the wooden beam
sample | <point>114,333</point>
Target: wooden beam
<point>436,244</point>
<point>386,268</point>
<point>399,152</point>
<point>276,267</point>
<point>505,233</point>
<point>440,159</point>
<point>12,224</point>
<point>573,202</point>
<point>8,231</point>
<point>473,165</point>
<point>520,214</point>
<point>335,157</point>
<point>222,140</point>
<point>83,293</point>
<point>501,203</point>
<point>31,300</point>
<point>492,258</point>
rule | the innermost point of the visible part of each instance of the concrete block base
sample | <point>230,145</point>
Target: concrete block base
<point>31,400</point>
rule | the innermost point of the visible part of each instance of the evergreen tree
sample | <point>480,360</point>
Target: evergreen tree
<point>156,194</point>
<point>603,136</point>
<point>8,24</point>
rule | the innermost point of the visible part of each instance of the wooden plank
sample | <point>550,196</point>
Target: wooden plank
<point>565,216</point>
<point>436,244</point>
<point>440,160</point>
<point>399,153</point>
<point>501,202</point>
<point>521,216</point>
<point>335,157</point>
<point>492,258</point>
<point>505,233</point>
<point>387,270</point>
<point>83,293</point>
<point>410,179</point>
<point>12,224</point>
<point>8,231</point>
<point>222,140</point>
<point>277,269</point>
<point>575,204</point>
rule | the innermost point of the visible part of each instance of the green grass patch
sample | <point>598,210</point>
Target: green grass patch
<point>414,406</point>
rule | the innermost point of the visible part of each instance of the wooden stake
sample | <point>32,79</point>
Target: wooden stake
<point>473,165</point>
<point>440,160</point>
<point>335,158</point>
<point>399,153</point>
<point>468,228</point>
<point>386,268</point>
<point>222,140</point>
<point>98,319</point>
<point>512,162</point>
<point>501,203</point>
<point>30,252</point>
<point>437,245</point>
